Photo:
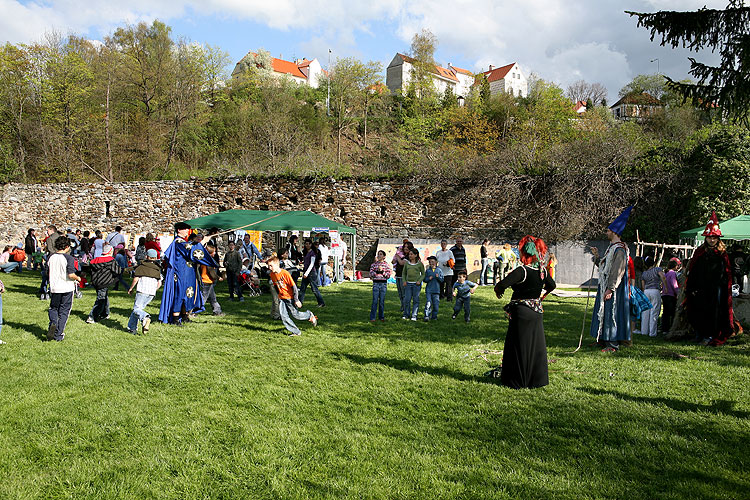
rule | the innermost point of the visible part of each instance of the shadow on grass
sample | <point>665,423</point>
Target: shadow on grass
<point>35,330</point>
<point>412,367</point>
<point>722,406</point>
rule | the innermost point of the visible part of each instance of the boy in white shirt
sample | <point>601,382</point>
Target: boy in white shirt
<point>62,283</point>
<point>147,280</point>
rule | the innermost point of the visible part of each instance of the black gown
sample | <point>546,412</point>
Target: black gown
<point>525,351</point>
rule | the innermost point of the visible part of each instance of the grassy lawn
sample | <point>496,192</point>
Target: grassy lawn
<point>233,408</point>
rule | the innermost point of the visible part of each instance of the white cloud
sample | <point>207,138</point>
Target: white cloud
<point>561,40</point>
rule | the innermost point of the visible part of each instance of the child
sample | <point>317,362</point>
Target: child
<point>209,277</point>
<point>2,291</point>
<point>62,280</point>
<point>412,276</point>
<point>147,280</point>
<point>287,290</point>
<point>380,271</point>
<point>140,252</point>
<point>233,265</point>
<point>433,276</point>
<point>463,290</point>
<point>104,272</point>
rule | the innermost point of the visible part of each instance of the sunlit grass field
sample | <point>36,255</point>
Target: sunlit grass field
<point>232,407</point>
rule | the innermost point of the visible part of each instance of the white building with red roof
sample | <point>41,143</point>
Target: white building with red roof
<point>398,75</point>
<point>301,71</point>
<point>509,79</point>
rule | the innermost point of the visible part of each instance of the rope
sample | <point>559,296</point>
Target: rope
<point>247,225</point>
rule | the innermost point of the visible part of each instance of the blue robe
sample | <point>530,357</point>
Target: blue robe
<point>616,324</point>
<point>182,284</point>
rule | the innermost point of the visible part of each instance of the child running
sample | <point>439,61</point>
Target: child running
<point>433,276</point>
<point>463,290</point>
<point>147,281</point>
<point>287,290</point>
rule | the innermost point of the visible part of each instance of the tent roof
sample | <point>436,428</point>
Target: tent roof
<point>736,228</point>
<point>268,220</point>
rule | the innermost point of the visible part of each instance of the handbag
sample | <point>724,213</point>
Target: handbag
<point>639,302</point>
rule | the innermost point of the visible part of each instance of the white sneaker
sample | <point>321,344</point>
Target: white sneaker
<point>90,320</point>
<point>314,320</point>
<point>414,319</point>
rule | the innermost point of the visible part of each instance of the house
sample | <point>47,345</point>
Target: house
<point>465,81</point>
<point>300,71</point>
<point>635,106</point>
<point>580,107</point>
<point>398,75</point>
<point>508,78</point>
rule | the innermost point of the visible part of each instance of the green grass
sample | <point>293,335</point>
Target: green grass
<point>233,408</point>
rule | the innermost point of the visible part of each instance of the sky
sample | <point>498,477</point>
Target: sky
<point>558,40</point>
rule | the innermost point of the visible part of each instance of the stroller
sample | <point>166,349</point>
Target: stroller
<point>250,283</point>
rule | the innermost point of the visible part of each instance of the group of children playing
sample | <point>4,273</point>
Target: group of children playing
<point>412,277</point>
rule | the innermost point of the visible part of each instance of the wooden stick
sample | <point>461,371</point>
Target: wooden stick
<point>246,226</point>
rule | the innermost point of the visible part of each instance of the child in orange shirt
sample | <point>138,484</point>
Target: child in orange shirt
<point>287,291</point>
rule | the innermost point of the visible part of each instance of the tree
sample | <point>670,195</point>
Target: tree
<point>422,51</point>
<point>15,97</point>
<point>350,79</point>
<point>728,31</point>
<point>584,91</point>
<point>653,85</point>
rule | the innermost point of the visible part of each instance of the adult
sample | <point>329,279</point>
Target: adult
<point>310,273</point>
<point>75,242</point>
<point>610,325</point>
<point>214,239</point>
<point>652,283</point>
<point>31,244</point>
<point>339,254</point>
<point>49,250</point>
<point>739,260</point>
<point>325,254</point>
<point>459,255</point>
<point>485,256</point>
<point>182,290</point>
<point>98,244</point>
<point>153,244</point>
<point>398,261</point>
<point>294,254</point>
<point>250,251</point>
<point>525,351</point>
<point>506,259</point>
<point>116,239</point>
<point>708,288</point>
<point>446,260</point>
<point>669,296</point>
<point>85,244</point>
<point>6,263</point>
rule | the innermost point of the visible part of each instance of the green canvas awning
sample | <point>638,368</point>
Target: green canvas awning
<point>736,228</point>
<point>268,220</point>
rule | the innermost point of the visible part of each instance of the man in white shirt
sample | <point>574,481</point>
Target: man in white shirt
<point>325,254</point>
<point>62,282</point>
<point>116,238</point>
<point>443,256</point>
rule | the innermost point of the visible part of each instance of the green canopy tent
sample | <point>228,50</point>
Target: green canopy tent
<point>275,221</point>
<point>736,228</point>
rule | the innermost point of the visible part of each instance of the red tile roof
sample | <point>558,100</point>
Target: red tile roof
<point>464,71</point>
<point>284,67</point>
<point>642,99</point>
<point>440,71</point>
<point>498,73</point>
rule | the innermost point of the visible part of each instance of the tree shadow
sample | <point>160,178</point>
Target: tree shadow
<point>412,367</point>
<point>720,407</point>
<point>35,330</point>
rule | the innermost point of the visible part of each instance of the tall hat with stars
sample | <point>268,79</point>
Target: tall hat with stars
<point>712,228</point>
<point>618,225</point>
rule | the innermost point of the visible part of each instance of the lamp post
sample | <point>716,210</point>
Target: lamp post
<point>657,64</point>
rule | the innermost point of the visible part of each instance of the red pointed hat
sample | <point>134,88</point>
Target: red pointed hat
<point>712,228</point>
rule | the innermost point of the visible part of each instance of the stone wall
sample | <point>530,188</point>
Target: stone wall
<point>375,209</point>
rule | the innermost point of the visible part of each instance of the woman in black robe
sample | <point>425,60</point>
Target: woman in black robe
<point>525,352</point>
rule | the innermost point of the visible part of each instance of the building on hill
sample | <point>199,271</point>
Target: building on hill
<point>300,71</point>
<point>508,78</point>
<point>465,81</point>
<point>580,107</point>
<point>398,75</point>
<point>636,106</point>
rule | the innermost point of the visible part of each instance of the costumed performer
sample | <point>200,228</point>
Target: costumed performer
<point>708,289</point>
<point>525,352</point>
<point>181,282</point>
<point>610,325</point>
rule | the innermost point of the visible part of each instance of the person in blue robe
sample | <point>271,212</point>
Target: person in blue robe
<point>610,325</point>
<point>182,286</point>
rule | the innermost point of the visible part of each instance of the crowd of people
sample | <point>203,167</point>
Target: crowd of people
<point>630,290</point>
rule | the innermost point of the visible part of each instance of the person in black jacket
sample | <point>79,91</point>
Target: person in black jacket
<point>104,272</point>
<point>30,246</point>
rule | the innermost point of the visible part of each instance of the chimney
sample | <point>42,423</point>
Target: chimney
<point>491,67</point>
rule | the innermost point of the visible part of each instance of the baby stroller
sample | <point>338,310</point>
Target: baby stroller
<point>249,283</point>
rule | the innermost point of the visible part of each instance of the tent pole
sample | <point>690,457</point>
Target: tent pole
<point>354,257</point>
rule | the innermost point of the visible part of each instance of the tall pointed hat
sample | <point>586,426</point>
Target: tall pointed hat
<point>712,228</point>
<point>618,225</point>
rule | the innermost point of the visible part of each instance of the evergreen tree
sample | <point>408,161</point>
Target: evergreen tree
<point>726,31</point>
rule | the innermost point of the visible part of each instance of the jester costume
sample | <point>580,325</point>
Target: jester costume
<point>708,291</point>
<point>610,324</point>
<point>182,286</point>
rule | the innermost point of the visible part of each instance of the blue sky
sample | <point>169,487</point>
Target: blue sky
<point>558,40</point>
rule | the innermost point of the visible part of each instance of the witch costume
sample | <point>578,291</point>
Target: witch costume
<point>182,291</point>
<point>610,324</point>
<point>708,291</point>
<point>525,351</point>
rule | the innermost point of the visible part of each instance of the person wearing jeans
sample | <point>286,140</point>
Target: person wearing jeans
<point>147,280</point>
<point>653,281</point>
<point>433,277</point>
<point>288,298</point>
<point>412,276</point>
<point>310,274</point>
<point>380,271</point>
<point>62,280</point>
<point>484,254</point>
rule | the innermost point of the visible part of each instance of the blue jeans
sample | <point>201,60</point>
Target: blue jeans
<point>44,287</point>
<point>483,272</point>
<point>432,304</point>
<point>465,303</point>
<point>400,287</point>
<point>9,267</point>
<point>312,280</point>
<point>322,274</point>
<point>378,300</point>
<point>288,311</point>
<point>139,310</point>
<point>411,299</point>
